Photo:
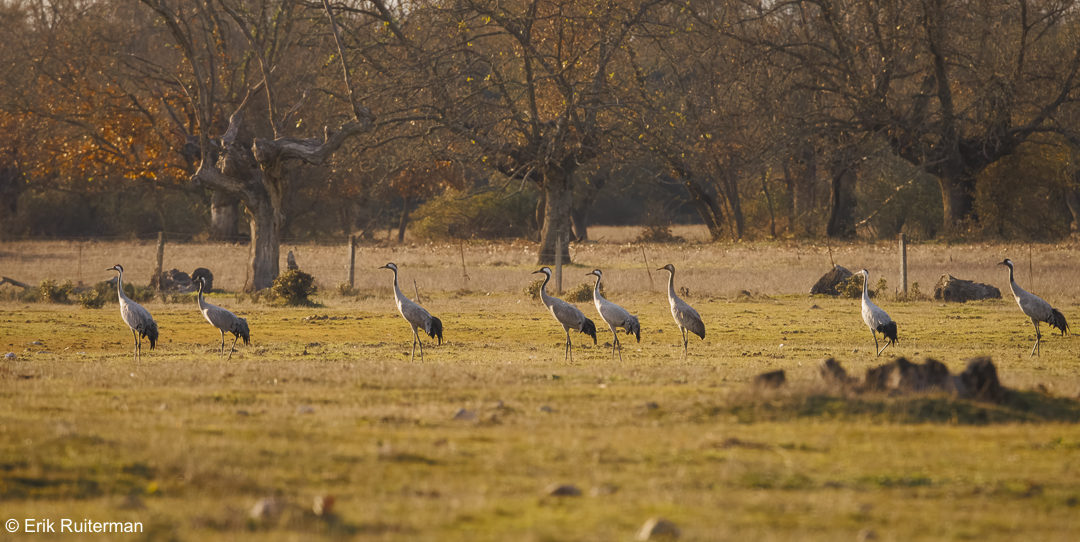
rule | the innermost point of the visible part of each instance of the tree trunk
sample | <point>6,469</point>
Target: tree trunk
<point>403,222</point>
<point>958,201</point>
<point>265,243</point>
<point>1072,199</point>
<point>539,216</point>
<point>558,200</point>
<point>730,185</point>
<point>708,208</point>
<point>803,180</point>
<point>224,211</point>
<point>579,213</point>
<point>842,198</point>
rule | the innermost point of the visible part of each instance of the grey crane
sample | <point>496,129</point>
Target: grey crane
<point>685,316</point>
<point>135,316</point>
<point>569,316</point>
<point>1035,308</point>
<point>875,318</point>
<point>417,316</point>
<point>613,315</point>
<point>225,321</point>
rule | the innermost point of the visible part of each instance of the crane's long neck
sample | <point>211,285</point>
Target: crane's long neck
<point>596,289</point>
<point>865,290</point>
<point>202,303</point>
<point>543,289</point>
<point>671,285</point>
<point>120,285</point>
<point>397,289</point>
<point>1011,279</point>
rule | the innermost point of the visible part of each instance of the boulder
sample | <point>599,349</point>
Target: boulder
<point>175,280</point>
<point>950,288</point>
<point>206,275</point>
<point>829,283</point>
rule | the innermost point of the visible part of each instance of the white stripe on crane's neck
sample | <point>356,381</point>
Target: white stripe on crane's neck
<point>671,283</point>
<point>865,281</point>
<point>120,285</point>
<point>544,297</point>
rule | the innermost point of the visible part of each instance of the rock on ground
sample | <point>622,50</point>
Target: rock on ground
<point>829,282</point>
<point>950,288</point>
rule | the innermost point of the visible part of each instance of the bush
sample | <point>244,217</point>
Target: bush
<point>582,293</point>
<point>495,214</point>
<point>51,291</point>
<point>91,299</point>
<point>293,288</point>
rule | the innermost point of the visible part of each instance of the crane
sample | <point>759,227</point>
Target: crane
<point>135,316</point>
<point>225,321</point>
<point>613,315</point>
<point>685,316</point>
<point>1035,308</point>
<point>876,319</point>
<point>417,316</point>
<point>566,314</point>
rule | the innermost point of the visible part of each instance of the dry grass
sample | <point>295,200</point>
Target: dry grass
<point>187,443</point>
<point>711,269</point>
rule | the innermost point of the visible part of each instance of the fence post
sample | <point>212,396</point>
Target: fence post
<point>903,264</point>
<point>352,261</point>
<point>155,281</point>
<point>558,263</point>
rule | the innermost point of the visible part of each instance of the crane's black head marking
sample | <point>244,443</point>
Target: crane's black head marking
<point>670,268</point>
<point>118,268</point>
<point>390,265</point>
<point>1006,262</point>
<point>545,270</point>
<point>595,272</point>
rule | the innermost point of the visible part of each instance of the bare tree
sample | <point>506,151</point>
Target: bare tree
<point>251,157</point>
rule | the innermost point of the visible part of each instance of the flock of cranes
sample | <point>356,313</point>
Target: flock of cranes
<point>687,319</point>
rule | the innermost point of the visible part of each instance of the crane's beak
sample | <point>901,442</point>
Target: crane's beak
<point>538,272</point>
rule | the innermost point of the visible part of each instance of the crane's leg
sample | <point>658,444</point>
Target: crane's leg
<point>135,345</point>
<point>421,343</point>
<point>569,348</point>
<point>1035,350</point>
<point>614,342</point>
<point>875,342</point>
<point>412,355</point>
<point>887,343</point>
<point>685,339</point>
<point>233,347</point>
<point>222,352</point>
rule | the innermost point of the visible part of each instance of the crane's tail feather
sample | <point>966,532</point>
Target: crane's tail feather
<point>1058,320</point>
<point>241,329</point>
<point>889,331</point>
<point>589,328</point>
<point>435,329</point>
<point>633,327</point>
<point>151,332</point>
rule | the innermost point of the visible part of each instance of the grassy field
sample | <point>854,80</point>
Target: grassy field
<point>325,402</point>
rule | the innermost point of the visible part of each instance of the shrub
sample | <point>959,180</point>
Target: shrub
<point>51,291</point>
<point>91,299</point>
<point>582,293</point>
<point>293,288</point>
<point>494,214</point>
